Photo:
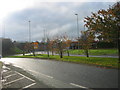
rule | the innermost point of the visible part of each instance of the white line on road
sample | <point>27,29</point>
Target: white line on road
<point>78,85</point>
<point>10,75</point>
<point>8,72</point>
<point>29,85</point>
<point>46,75</point>
<point>41,74</point>
<point>25,76</point>
<point>4,67</point>
<point>14,81</point>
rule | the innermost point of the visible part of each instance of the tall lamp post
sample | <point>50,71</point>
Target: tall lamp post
<point>29,32</point>
<point>77,30</point>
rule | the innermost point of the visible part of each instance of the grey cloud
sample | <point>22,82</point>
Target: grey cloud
<point>54,17</point>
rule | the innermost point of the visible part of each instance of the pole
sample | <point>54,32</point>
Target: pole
<point>29,32</point>
<point>77,30</point>
<point>4,30</point>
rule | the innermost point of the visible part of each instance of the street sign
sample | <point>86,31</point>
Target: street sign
<point>35,45</point>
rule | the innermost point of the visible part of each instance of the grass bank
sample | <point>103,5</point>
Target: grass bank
<point>96,52</point>
<point>97,61</point>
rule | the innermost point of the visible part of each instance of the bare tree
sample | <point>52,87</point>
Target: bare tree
<point>52,46</point>
<point>67,43</point>
<point>60,45</point>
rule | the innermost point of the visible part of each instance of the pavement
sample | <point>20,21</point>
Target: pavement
<point>12,77</point>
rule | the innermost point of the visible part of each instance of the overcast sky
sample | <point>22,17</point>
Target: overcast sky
<point>56,17</point>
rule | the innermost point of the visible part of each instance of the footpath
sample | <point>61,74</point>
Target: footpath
<point>14,77</point>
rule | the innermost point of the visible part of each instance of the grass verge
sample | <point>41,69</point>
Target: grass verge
<point>96,52</point>
<point>97,61</point>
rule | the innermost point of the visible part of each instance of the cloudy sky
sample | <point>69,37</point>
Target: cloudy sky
<point>50,17</point>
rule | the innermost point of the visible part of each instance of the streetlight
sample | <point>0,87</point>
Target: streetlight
<point>77,30</point>
<point>29,32</point>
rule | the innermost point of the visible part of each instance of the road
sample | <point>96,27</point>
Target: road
<point>64,74</point>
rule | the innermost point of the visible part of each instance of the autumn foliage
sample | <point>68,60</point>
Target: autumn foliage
<point>105,23</point>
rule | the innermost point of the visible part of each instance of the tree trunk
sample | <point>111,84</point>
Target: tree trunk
<point>33,53</point>
<point>87,54</point>
<point>52,53</point>
<point>119,45</point>
<point>68,52</point>
<point>23,52</point>
<point>48,53</point>
<point>61,55</point>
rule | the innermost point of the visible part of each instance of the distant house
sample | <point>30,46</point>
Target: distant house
<point>74,45</point>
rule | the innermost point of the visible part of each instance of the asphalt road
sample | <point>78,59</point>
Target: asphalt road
<point>67,75</point>
<point>13,77</point>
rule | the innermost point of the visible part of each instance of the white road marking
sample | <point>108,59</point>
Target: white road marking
<point>14,81</point>
<point>46,75</point>
<point>25,76</point>
<point>78,85</point>
<point>41,74</point>
<point>8,71</point>
<point>4,67</point>
<point>29,85</point>
<point>10,75</point>
<point>4,71</point>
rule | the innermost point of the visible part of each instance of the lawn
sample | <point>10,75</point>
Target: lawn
<point>97,61</point>
<point>96,52</point>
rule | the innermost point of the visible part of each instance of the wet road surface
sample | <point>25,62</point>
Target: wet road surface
<point>67,75</point>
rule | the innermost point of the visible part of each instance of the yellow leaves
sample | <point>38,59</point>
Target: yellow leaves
<point>102,12</point>
<point>87,18</point>
<point>105,22</point>
<point>110,11</point>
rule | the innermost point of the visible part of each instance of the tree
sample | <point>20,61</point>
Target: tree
<point>47,46</point>
<point>60,45</point>
<point>29,47</point>
<point>52,46</point>
<point>86,40</point>
<point>21,46</point>
<point>67,43</point>
<point>106,24</point>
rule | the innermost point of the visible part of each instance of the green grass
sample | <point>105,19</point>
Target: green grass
<point>17,50</point>
<point>97,61</point>
<point>96,52</point>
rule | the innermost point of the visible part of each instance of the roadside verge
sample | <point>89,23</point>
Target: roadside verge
<point>105,62</point>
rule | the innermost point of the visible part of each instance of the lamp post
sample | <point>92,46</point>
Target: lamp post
<point>77,30</point>
<point>29,32</point>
